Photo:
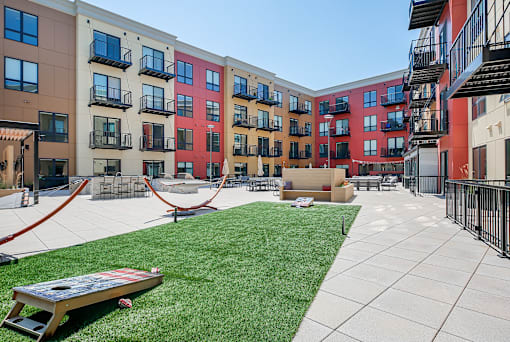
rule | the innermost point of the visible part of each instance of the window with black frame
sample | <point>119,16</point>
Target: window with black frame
<point>324,107</point>
<point>480,162</point>
<point>370,147</point>
<point>53,172</point>
<point>106,167</point>
<point>21,26</point>
<point>323,150</point>
<point>278,123</point>
<point>185,167</point>
<point>53,126</point>
<point>153,97</point>
<point>212,80</point>
<point>370,123</point>
<point>323,129</point>
<point>241,85</point>
<point>184,139</point>
<point>395,93</point>
<point>263,146</point>
<point>184,106</point>
<point>153,59</point>
<point>215,142</point>
<point>107,88</point>
<point>21,75</point>
<point>215,170</point>
<point>153,168</point>
<point>184,72</point>
<point>308,129</point>
<point>370,99</point>
<point>213,111</point>
<point>107,45</point>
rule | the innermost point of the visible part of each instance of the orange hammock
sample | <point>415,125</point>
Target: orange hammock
<point>201,205</point>
<point>11,237</point>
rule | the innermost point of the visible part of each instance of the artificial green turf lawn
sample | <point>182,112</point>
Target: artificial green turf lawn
<point>243,274</point>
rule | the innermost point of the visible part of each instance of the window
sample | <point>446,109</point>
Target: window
<point>324,107</point>
<point>212,80</point>
<point>184,139</point>
<point>342,127</point>
<point>241,169</point>
<point>294,150</point>
<point>370,147</point>
<point>323,129</point>
<point>370,99</point>
<point>153,136</point>
<point>263,146</point>
<point>20,26</point>
<point>308,128</point>
<point>215,170</point>
<point>215,142</point>
<point>263,91</point>
<point>53,172</point>
<point>342,150</point>
<point>395,146</point>
<point>395,120</point>
<point>294,127</point>
<point>323,150</point>
<point>153,168</point>
<point>241,85</point>
<point>308,150</point>
<point>185,106</point>
<point>263,117</point>
<point>107,88</point>
<point>213,111</point>
<point>153,97</point>
<point>184,72</point>
<point>293,102</point>
<point>277,171</point>
<point>21,75</point>
<point>342,100</point>
<point>153,59</point>
<point>395,93</point>
<point>370,123</point>
<point>478,106</point>
<point>308,107</point>
<point>278,148</point>
<point>106,167</point>
<point>185,167</point>
<point>240,113</point>
<point>107,125</point>
<point>53,126</point>
<point>278,123</point>
<point>480,162</point>
<point>278,97</point>
<point>240,139</point>
<point>265,168</point>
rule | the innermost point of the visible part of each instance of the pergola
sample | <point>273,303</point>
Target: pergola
<point>19,131</point>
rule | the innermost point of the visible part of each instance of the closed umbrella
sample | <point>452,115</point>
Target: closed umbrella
<point>225,171</point>
<point>260,171</point>
<point>310,165</point>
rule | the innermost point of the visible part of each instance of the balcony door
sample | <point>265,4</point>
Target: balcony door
<point>263,91</point>
<point>240,85</point>
<point>342,126</point>
<point>153,135</point>
<point>153,59</point>
<point>107,88</point>
<point>106,45</point>
<point>342,149</point>
<point>107,131</point>
<point>263,117</point>
<point>153,97</point>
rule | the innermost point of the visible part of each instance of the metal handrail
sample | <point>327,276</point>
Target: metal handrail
<point>157,103</point>
<point>156,143</point>
<point>110,95</point>
<point>157,64</point>
<point>100,48</point>
<point>100,139</point>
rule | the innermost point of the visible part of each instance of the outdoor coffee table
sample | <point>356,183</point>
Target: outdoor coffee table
<point>61,295</point>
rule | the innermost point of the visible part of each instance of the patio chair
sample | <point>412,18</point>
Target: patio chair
<point>106,187</point>
<point>124,187</point>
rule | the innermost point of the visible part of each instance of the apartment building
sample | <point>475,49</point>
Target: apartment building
<point>38,62</point>
<point>365,124</point>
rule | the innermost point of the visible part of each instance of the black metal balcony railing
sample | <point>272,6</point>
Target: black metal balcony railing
<point>340,131</point>
<point>245,150</point>
<point>263,151</point>
<point>339,108</point>
<point>157,105</point>
<point>340,154</point>
<point>392,125</point>
<point>276,152</point>
<point>427,61</point>
<point>480,55</point>
<point>298,108</point>
<point>265,98</point>
<point>110,140</point>
<point>297,131</point>
<point>109,54</point>
<point>419,98</point>
<point>425,13</point>
<point>483,208</point>
<point>267,125</point>
<point>157,143</point>
<point>426,127</point>
<point>305,154</point>
<point>110,97</point>
<point>393,99</point>
<point>157,67</point>
<point>245,92</point>
<point>394,152</point>
<point>245,121</point>
<point>53,136</point>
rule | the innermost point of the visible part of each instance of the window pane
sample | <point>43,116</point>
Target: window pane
<point>12,19</point>
<point>30,24</point>
<point>13,69</point>
<point>46,122</point>
<point>29,72</point>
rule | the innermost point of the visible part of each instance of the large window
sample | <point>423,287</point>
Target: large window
<point>294,150</point>
<point>212,80</point>
<point>153,168</point>
<point>215,170</point>
<point>107,46</point>
<point>480,162</point>
<point>53,172</point>
<point>308,107</point>
<point>370,99</point>
<point>20,26</point>
<point>263,119</point>
<point>154,97</point>
<point>106,167</point>
<point>153,59</point>
<point>293,102</point>
<point>215,142</point>
<point>324,107</point>
<point>278,97</point>
<point>185,167</point>
<point>478,106</point>
<point>263,91</point>
<point>263,146</point>
<point>53,127</point>
<point>184,72</point>
<point>241,169</point>
<point>241,85</point>
<point>342,127</point>
<point>396,117</point>
<point>323,150</point>
<point>21,75</point>
<point>323,129</point>
<point>213,111</point>
<point>153,136</point>
<point>395,93</point>
<point>184,139</point>
<point>308,128</point>
<point>396,145</point>
<point>370,147</point>
<point>107,88</point>
<point>185,106</point>
<point>370,123</point>
<point>240,112</point>
<point>278,123</point>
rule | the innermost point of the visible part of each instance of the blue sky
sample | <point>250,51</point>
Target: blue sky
<point>315,43</point>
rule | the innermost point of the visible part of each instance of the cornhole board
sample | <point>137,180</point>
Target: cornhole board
<point>303,202</point>
<point>61,295</point>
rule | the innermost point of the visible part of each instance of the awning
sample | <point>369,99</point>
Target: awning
<point>16,130</point>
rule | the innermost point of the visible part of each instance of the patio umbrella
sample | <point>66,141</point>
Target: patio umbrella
<point>260,171</point>
<point>225,171</point>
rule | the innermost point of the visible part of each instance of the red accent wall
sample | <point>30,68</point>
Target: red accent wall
<point>356,125</point>
<point>198,123</point>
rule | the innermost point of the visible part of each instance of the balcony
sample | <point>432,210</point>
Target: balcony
<point>340,132</point>
<point>300,155</point>
<point>157,105</point>
<point>245,121</point>
<point>427,61</point>
<point>339,108</point>
<point>427,127</point>
<point>156,67</point>
<point>480,56</point>
<point>157,144</point>
<point>265,98</point>
<point>275,152</point>
<point>109,54</point>
<point>297,131</point>
<point>421,99</point>
<point>245,150</point>
<point>340,154</point>
<point>425,13</point>
<point>392,125</point>
<point>110,97</point>
<point>298,108</point>
<point>395,152</point>
<point>245,92</point>
<point>110,140</point>
<point>267,125</point>
<point>263,152</point>
<point>393,99</point>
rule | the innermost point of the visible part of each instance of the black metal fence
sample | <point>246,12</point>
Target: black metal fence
<point>483,208</point>
<point>430,185</point>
